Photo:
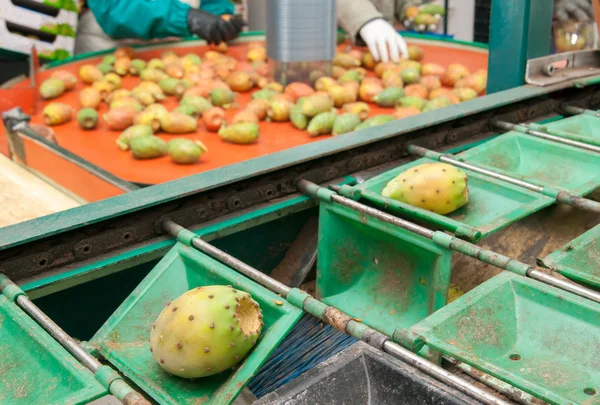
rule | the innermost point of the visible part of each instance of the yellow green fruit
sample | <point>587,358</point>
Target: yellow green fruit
<point>222,97</point>
<point>374,121</point>
<point>52,88</point>
<point>132,132</point>
<point>147,147</point>
<point>314,105</point>
<point>57,113</point>
<point>361,109</point>
<point>345,123</point>
<point>321,124</point>
<point>178,123</point>
<point>436,187</point>
<point>87,118</point>
<point>183,151</point>
<point>389,97</point>
<point>242,133</point>
<point>199,103</point>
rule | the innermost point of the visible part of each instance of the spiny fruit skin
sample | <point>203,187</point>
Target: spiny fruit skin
<point>374,121</point>
<point>436,187</point>
<point>178,123</point>
<point>67,77</point>
<point>205,331</point>
<point>389,97</point>
<point>52,88</point>
<point>184,152</point>
<point>321,124</point>
<point>361,109</point>
<point>316,104</point>
<point>135,131</point>
<point>222,97</point>
<point>147,147</point>
<point>87,118</point>
<point>89,97</point>
<point>242,133</point>
<point>345,123</point>
<point>57,113</point>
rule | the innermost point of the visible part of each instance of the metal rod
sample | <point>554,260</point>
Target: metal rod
<point>420,151</point>
<point>389,347</point>
<point>539,134</point>
<point>457,245</point>
<point>572,110</point>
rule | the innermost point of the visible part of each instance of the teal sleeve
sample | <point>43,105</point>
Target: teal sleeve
<point>141,19</point>
<point>217,7</point>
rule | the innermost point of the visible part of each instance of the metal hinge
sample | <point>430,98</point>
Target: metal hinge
<point>562,67</point>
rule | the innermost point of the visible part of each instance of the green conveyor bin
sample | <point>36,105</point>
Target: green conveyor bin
<point>124,339</point>
<point>493,204</point>
<point>545,162</point>
<point>540,339</point>
<point>579,259</point>
<point>582,128</point>
<point>35,368</point>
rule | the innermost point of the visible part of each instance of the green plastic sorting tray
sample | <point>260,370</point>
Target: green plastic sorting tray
<point>493,204</point>
<point>579,259</point>
<point>124,338</point>
<point>35,369</point>
<point>582,128</point>
<point>533,336</point>
<point>543,162</point>
<point>384,275</point>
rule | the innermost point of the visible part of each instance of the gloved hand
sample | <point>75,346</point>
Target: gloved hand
<point>383,41</point>
<point>580,10</point>
<point>213,28</point>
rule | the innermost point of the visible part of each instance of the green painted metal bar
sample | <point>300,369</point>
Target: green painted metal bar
<point>105,375</point>
<point>451,242</point>
<point>564,134</point>
<point>519,30</point>
<point>331,315</point>
<point>561,196</point>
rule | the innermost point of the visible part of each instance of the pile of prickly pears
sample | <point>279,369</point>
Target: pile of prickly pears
<point>205,331</point>
<point>206,87</point>
<point>436,187</point>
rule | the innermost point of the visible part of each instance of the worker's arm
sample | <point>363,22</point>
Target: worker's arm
<point>141,19</point>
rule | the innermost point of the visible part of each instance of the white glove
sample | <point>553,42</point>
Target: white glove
<point>383,41</point>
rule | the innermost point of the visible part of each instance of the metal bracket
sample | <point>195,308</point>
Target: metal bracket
<point>562,67</point>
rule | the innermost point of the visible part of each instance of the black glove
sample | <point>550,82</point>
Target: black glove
<point>213,28</point>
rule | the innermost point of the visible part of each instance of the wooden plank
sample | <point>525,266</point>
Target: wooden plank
<point>24,196</point>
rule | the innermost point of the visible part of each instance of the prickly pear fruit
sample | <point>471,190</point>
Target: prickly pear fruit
<point>299,120</point>
<point>239,81</point>
<point>104,87</point>
<point>337,72</point>
<point>359,108</point>
<point>147,147</point>
<point>120,118</point>
<point>156,64</point>
<point>185,152</point>
<point>174,70</point>
<point>314,105</point>
<point>259,107</point>
<point>276,87</point>
<point>345,123</point>
<point>52,88</point>
<point>353,87</point>
<point>297,90</point>
<point>57,113</point>
<point>135,131</point>
<point>151,116</point>
<point>351,76</point>
<point>416,90</point>
<point>476,82</point>
<point>341,95</point>
<point>213,118</point>
<point>430,82</point>
<point>264,94</point>
<point>242,133</point>
<point>136,66</point>
<point>374,121</point>
<point>389,97</point>
<point>124,52</point>
<point>257,54</point>
<point>368,91</point>
<point>403,112</point>
<point>383,67</point>
<point>143,96</point>
<point>121,66</point>
<point>191,58</point>
<point>346,61</point>
<point>324,83</point>
<point>68,78</point>
<point>187,109</point>
<point>410,75</point>
<point>321,124</point>
<point>178,123</point>
<point>433,69</point>
<point>437,103</point>
<point>245,116</point>
<point>279,110</point>
<point>109,59</point>
<point>89,97</point>
<point>205,331</point>
<point>87,118</point>
<point>117,95</point>
<point>368,61</point>
<point>465,93</point>
<point>113,79</point>
<point>104,68</point>
<point>415,53</point>
<point>411,101</point>
<point>153,75</point>
<point>222,97</point>
<point>437,187</point>
<point>392,79</point>
<point>127,101</point>
<point>199,103</point>
<point>172,86</point>
<point>356,54</point>
<point>153,88</point>
<point>169,56</point>
<point>90,74</point>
